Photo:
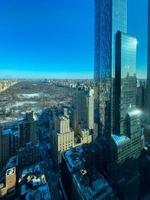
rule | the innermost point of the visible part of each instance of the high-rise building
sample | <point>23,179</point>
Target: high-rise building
<point>9,144</point>
<point>147,107</point>
<point>83,112</point>
<point>125,80</point>
<point>148,70</point>
<point>140,96</point>
<point>28,129</point>
<point>4,146</point>
<point>63,137</point>
<point>110,17</point>
<point>1,147</point>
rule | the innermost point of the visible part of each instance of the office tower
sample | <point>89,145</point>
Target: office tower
<point>31,123</point>
<point>83,112</point>
<point>147,106</point>
<point>14,142</point>
<point>9,144</point>
<point>28,129</point>
<point>140,96</point>
<point>4,146</point>
<point>148,71</point>
<point>63,137</point>
<point>28,155</point>
<point>1,147</point>
<point>127,137</point>
<point>110,17</point>
<point>125,79</point>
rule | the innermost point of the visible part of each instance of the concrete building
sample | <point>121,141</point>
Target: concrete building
<point>140,96</point>
<point>85,137</point>
<point>28,155</point>
<point>33,185</point>
<point>63,136</point>
<point>4,146</point>
<point>83,112</point>
<point>9,144</point>
<point>80,178</point>
<point>28,129</point>
<point>1,147</point>
<point>8,187</point>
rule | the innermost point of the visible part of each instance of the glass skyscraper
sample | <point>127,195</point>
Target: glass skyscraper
<point>148,70</point>
<point>110,17</point>
<point>125,80</point>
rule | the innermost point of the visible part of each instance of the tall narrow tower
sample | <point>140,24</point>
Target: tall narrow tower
<point>148,70</point>
<point>110,17</point>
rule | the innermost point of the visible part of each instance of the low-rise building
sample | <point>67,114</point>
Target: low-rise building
<point>80,178</point>
<point>7,188</point>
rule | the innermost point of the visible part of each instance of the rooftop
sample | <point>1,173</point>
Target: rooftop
<point>120,139</point>
<point>85,176</point>
<point>33,184</point>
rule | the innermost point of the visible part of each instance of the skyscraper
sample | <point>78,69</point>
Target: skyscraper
<point>110,17</point>
<point>148,70</point>
<point>83,103</point>
<point>63,136</point>
<point>125,79</point>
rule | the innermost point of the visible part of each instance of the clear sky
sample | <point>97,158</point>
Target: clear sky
<point>55,38</point>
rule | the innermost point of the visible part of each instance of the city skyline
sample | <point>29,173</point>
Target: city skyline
<point>62,137</point>
<point>47,45</point>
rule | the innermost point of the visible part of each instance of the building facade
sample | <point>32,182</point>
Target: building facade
<point>148,71</point>
<point>83,111</point>
<point>7,189</point>
<point>28,130</point>
<point>125,79</point>
<point>63,137</point>
<point>110,17</point>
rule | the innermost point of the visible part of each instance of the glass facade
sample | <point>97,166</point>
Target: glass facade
<point>125,79</point>
<point>149,42</point>
<point>110,17</point>
<point>148,69</point>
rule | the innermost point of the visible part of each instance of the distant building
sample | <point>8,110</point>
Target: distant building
<point>84,137</point>
<point>28,129</point>
<point>14,142</point>
<point>140,97</point>
<point>1,147</point>
<point>83,110</point>
<point>28,155</point>
<point>4,146</point>
<point>148,71</point>
<point>83,103</point>
<point>63,136</point>
<point>9,144</point>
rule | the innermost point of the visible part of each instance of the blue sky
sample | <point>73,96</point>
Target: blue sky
<point>55,38</point>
